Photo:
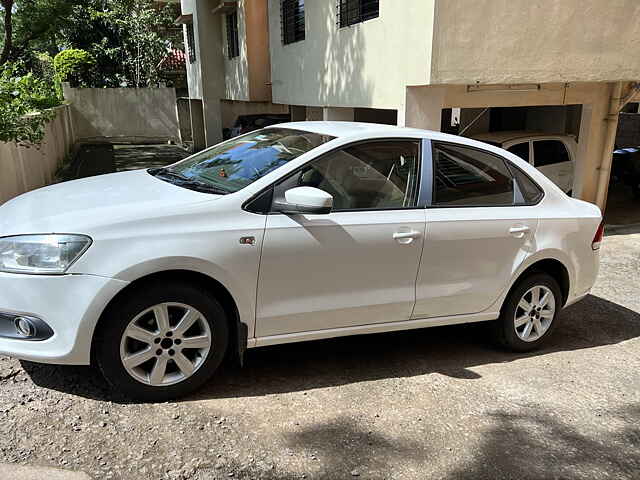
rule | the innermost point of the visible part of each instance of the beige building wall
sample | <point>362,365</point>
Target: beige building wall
<point>236,70</point>
<point>28,168</point>
<point>364,65</point>
<point>206,76</point>
<point>519,41</point>
<point>247,76</point>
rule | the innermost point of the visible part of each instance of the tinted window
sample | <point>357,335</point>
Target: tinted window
<point>531,193</point>
<point>470,177</point>
<point>373,175</point>
<point>548,152</point>
<point>521,150</point>
<point>240,161</point>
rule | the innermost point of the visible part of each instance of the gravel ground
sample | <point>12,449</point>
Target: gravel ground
<point>435,403</point>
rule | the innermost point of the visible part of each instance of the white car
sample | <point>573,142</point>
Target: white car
<point>299,231</point>
<point>553,155</point>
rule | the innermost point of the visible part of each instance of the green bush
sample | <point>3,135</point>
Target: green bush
<point>25,103</point>
<point>74,66</point>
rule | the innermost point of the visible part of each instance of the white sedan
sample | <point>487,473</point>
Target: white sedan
<point>299,231</point>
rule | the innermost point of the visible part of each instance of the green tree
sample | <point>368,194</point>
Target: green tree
<point>25,106</point>
<point>73,66</point>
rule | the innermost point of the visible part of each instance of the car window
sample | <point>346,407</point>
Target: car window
<point>521,150</point>
<point>531,192</point>
<point>234,164</point>
<point>469,177</point>
<point>373,175</point>
<point>549,152</point>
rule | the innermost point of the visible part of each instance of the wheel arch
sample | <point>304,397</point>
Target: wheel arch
<point>237,329</point>
<point>552,267</point>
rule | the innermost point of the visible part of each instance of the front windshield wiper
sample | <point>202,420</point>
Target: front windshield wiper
<point>185,181</point>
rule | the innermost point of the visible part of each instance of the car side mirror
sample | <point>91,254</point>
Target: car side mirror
<point>304,200</point>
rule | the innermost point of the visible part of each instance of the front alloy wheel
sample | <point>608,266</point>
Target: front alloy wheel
<point>165,344</point>
<point>161,340</point>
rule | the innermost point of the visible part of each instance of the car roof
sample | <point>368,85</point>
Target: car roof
<point>356,131</point>
<point>502,137</point>
<point>351,129</point>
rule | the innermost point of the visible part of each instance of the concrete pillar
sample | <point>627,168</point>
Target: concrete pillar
<point>197,125</point>
<point>208,33</point>
<point>591,142</point>
<point>337,114</point>
<point>423,107</point>
<point>298,113</point>
<point>313,113</point>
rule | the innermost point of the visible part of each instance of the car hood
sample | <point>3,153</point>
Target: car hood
<point>80,205</point>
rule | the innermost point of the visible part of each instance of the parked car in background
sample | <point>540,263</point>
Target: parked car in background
<point>553,155</point>
<point>300,231</point>
<point>625,168</point>
<point>249,123</point>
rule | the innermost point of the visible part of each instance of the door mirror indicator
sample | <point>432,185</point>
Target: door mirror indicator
<point>304,200</point>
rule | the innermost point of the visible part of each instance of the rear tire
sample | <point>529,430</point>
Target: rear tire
<point>528,316</point>
<point>162,341</point>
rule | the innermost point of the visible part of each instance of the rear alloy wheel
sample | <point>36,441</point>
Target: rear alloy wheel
<point>534,313</point>
<point>529,312</point>
<point>162,341</point>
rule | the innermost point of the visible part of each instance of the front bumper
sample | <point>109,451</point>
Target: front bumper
<point>70,304</point>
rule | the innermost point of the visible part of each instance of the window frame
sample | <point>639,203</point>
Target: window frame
<point>339,13</point>
<point>517,189</point>
<point>421,197</point>
<point>292,23</point>
<point>549,139</point>
<point>233,35</point>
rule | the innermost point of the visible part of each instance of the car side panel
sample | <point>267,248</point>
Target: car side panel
<point>469,256</point>
<point>205,240</point>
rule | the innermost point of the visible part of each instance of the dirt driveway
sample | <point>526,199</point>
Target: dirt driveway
<point>436,403</point>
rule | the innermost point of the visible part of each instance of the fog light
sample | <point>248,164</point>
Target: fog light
<point>24,327</point>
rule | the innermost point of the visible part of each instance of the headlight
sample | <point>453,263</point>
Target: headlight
<point>41,254</point>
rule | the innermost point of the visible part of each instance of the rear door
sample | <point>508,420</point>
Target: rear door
<point>552,157</point>
<point>480,227</point>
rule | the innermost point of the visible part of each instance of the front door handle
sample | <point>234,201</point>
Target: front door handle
<point>406,237</point>
<point>519,231</point>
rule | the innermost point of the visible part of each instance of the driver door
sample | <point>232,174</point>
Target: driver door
<point>356,265</point>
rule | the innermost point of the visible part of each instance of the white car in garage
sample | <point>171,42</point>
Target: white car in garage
<point>553,155</point>
<point>299,231</point>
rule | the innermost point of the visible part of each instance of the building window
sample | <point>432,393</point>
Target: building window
<point>351,12</point>
<point>233,44</point>
<point>191,45</point>
<point>292,20</point>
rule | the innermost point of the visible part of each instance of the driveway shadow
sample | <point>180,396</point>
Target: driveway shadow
<point>450,351</point>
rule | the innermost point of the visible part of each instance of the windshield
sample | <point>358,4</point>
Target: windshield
<point>234,164</point>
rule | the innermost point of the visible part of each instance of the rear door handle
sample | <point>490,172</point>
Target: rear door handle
<point>406,237</point>
<point>519,231</point>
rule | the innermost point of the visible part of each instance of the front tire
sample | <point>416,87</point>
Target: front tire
<point>528,316</point>
<point>162,341</point>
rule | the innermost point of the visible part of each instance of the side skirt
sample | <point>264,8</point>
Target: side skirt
<point>366,329</point>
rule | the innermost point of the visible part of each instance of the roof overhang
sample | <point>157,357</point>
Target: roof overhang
<point>225,6</point>
<point>184,19</point>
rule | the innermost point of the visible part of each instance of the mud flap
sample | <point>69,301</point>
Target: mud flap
<point>243,333</point>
